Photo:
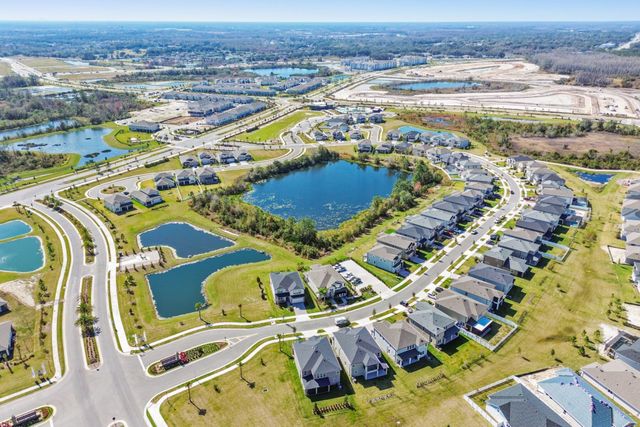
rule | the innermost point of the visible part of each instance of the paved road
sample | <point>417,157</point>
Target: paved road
<point>120,388</point>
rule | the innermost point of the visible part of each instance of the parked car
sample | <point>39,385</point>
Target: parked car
<point>439,289</point>
<point>342,322</point>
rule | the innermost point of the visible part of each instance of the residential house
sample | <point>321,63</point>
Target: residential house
<point>403,147</point>
<point>6,340</point>
<point>207,158</point>
<point>326,282</point>
<point>523,234</point>
<point>406,245</point>
<point>376,118</point>
<point>517,406</point>
<point>338,135</point>
<point>419,150</point>
<point>189,161</point>
<point>318,368</point>
<point>147,197</point>
<point>384,148</point>
<point>449,219</point>
<point>365,146</point>
<point>619,380</point>
<point>412,136</point>
<point>207,176</point>
<point>385,257</point>
<point>4,306</point>
<point>435,225</point>
<point>359,353</point>
<point>486,189</point>
<point>528,251</point>
<point>356,135</point>
<point>320,136</point>
<point>424,237</point>
<point>226,157</point>
<point>581,401</point>
<point>243,156</point>
<point>499,278</point>
<point>478,290</point>
<point>438,155</point>
<point>474,196</point>
<point>505,259</point>
<point>401,341</point>
<point>545,228</point>
<point>469,313</point>
<point>466,204</point>
<point>164,181</point>
<point>186,177</point>
<point>551,219</point>
<point>473,176</point>
<point>439,328</point>
<point>288,288</point>
<point>453,208</point>
<point>513,161</point>
<point>144,126</point>
<point>561,211</point>
<point>118,203</point>
<point>629,352</point>
<point>394,135</point>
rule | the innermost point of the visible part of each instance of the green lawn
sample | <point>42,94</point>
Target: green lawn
<point>122,137</point>
<point>271,132</point>
<point>32,326</point>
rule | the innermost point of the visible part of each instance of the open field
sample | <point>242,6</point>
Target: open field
<point>5,69</point>
<point>272,131</point>
<point>31,323</point>
<point>560,302</point>
<point>600,141</point>
<point>55,65</point>
<point>543,95</point>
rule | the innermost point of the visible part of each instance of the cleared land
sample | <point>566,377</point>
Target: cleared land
<point>602,142</point>
<point>560,302</point>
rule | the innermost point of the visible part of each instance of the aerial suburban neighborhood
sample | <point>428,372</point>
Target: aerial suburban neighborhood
<point>318,214</point>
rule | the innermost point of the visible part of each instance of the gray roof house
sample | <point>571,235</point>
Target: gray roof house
<point>423,236</point>
<point>523,234</point>
<point>365,146</point>
<point>326,282</point>
<point>478,290</point>
<point>629,353</point>
<point>486,189</point>
<point>118,203</point>
<point>147,197</point>
<point>498,277</point>
<point>207,175</point>
<point>505,259</point>
<point>528,251</point>
<point>359,353</point>
<point>535,225</point>
<point>385,257</point>
<point>6,340</point>
<point>384,148</point>
<point>463,309</point>
<point>619,379</point>
<point>186,177</point>
<point>144,126</point>
<point>288,288</point>
<point>403,147</point>
<point>465,203</point>
<point>207,158</point>
<point>448,218</point>
<point>164,181</point>
<point>189,161</point>
<point>426,222</point>
<point>317,366</point>
<point>405,244</point>
<point>550,208</point>
<point>436,325</point>
<point>401,341</point>
<point>517,406</point>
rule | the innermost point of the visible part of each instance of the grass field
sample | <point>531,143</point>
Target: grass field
<point>272,131</point>
<point>121,137</point>
<point>32,326</point>
<point>54,65</point>
<point>558,303</point>
<point>5,69</point>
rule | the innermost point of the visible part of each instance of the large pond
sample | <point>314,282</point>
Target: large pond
<point>14,228</point>
<point>88,143</point>
<point>51,126</point>
<point>431,85</point>
<point>185,239</point>
<point>21,255</point>
<point>176,291</point>
<point>595,178</point>
<point>329,194</point>
<point>284,72</point>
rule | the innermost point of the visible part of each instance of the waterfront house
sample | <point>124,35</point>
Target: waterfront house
<point>449,219</point>
<point>118,203</point>
<point>144,126</point>
<point>326,283</point>
<point>439,328</point>
<point>384,148</point>
<point>189,161</point>
<point>288,288</point>
<point>403,147</point>
<point>147,197</point>
<point>385,257</point>
<point>6,340</point>
<point>424,237</point>
<point>317,366</point>
<point>394,135</point>
<point>365,146</point>
<point>359,353</point>
<point>412,136</point>
<point>207,176</point>
<point>501,279</point>
<point>401,341</point>
<point>406,245</point>
<point>433,224</point>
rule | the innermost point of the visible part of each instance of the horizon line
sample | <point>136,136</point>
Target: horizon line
<point>133,21</point>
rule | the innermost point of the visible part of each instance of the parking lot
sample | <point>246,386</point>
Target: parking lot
<point>363,278</point>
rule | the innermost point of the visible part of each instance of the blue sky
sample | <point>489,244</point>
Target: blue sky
<point>322,10</point>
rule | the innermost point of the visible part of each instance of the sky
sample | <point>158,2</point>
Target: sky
<point>321,10</point>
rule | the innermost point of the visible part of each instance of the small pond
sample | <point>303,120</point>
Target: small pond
<point>329,194</point>
<point>88,143</point>
<point>284,72</point>
<point>14,228</point>
<point>185,239</point>
<point>176,291</point>
<point>51,126</point>
<point>21,255</point>
<point>595,178</point>
<point>431,85</point>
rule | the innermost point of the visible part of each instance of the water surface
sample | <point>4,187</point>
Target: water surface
<point>50,126</point>
<point>21,255</point>
<point>176,291</point>
<point>329,194</point>
<point>14,228</point>
<point>596,178</point>
<point>185,239</point>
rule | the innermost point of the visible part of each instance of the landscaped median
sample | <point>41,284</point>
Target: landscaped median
<point>182,358</point>
<point>36,416</point>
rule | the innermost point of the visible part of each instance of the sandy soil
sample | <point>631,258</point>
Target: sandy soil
<point>22,289</point>
<point>600,141</point>
<point>633,314</point>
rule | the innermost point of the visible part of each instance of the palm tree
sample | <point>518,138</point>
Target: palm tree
<point>198,307</point>
<point>279,336</point>
<point>240,366</point>
<point>240,308</point>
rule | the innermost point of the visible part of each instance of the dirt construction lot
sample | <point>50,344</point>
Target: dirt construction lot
<point>601,142</point>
